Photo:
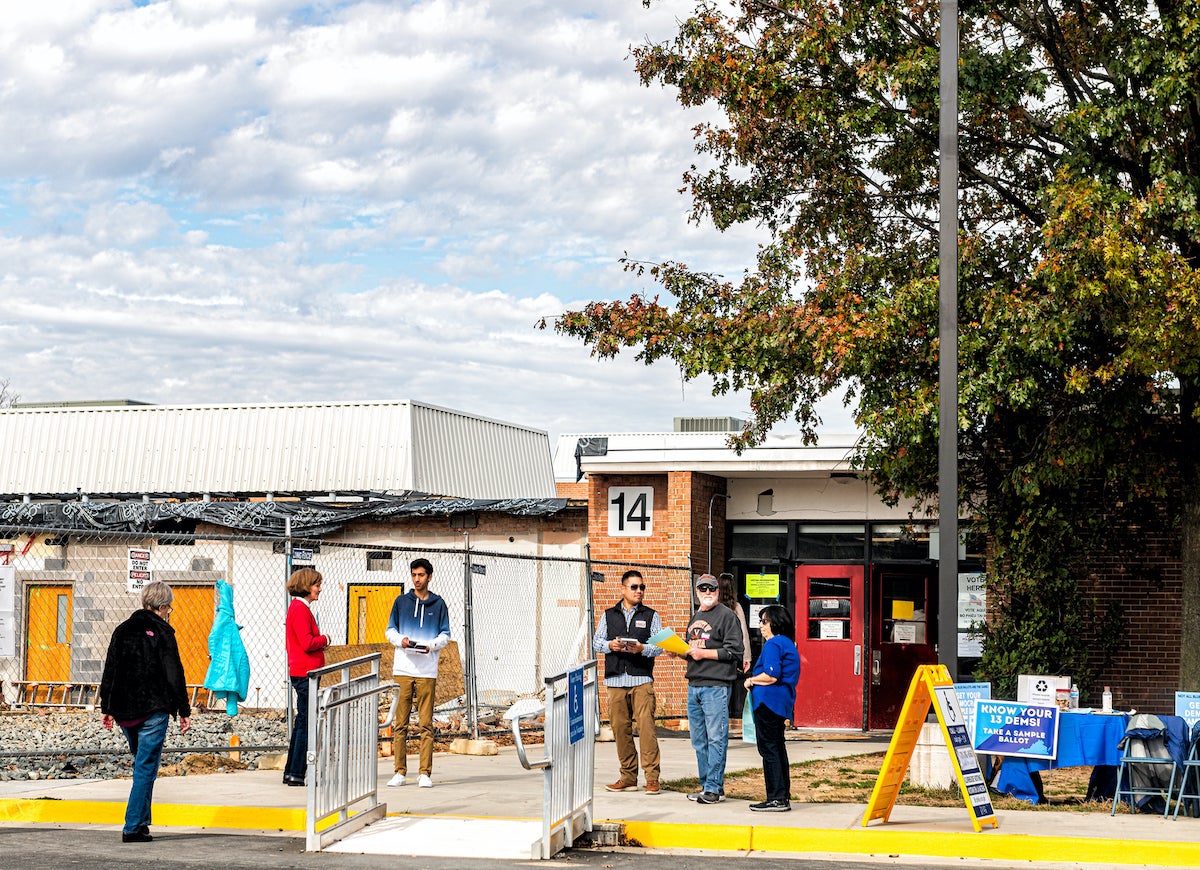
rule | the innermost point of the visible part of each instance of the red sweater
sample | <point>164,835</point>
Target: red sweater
<point>305,645</point>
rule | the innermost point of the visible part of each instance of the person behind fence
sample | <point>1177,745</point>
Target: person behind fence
<point>621,635</point>
<point>772,687</point>
<point>305,652</point>
<point>715,637</point>
<point>141,688</point>
<point>419,628</point>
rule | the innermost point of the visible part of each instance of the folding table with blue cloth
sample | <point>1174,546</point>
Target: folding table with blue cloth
<point>1084,739</point>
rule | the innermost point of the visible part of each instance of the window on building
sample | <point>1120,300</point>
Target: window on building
<point>758,542</point>
<point>831,542</point>
<point>900,541</point>
<point>379,560</point>
<point>904,601</point>
<point>829,608</point>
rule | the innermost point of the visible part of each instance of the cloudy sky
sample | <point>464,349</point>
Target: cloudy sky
<point>267,200</point>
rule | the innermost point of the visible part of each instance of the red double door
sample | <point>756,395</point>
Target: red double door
<point>855,671</point>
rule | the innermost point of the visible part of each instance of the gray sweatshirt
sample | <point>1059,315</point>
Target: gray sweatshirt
<point>720,629</point>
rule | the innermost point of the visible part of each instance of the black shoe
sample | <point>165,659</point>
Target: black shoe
<point>708,797</point>
<point>293,780</point>
<point>775,806</point>
<point>141,835</point>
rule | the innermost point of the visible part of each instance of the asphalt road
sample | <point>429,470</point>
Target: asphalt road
<point>51,847</point>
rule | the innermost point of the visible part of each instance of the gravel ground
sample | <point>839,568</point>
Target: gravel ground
<point>70,736</point>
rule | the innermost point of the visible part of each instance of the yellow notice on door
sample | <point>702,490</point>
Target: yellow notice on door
<point>902,610</point>
<point>762,585</point>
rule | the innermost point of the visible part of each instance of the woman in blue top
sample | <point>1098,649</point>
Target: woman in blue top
<point>772,685</point>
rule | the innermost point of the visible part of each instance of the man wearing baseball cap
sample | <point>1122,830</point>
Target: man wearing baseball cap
<point>715,637</point>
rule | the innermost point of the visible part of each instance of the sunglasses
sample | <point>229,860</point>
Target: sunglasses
<point>706,587</point>
<point>636,586</point>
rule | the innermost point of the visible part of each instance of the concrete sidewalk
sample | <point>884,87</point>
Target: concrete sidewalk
<point>497,787</point>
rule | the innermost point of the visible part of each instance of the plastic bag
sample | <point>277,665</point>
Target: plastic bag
<point>748,730</point>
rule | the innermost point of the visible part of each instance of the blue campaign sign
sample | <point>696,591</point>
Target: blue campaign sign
<point>575,704</point>
<point>1187,705</point>
<point>1014,728</point>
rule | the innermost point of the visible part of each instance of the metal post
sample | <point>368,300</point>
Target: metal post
<point>948,341</point>
<point>590,587</point>
<point>287,603</point>
<point>469,669</point>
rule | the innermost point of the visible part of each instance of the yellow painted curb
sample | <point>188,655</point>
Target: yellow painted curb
<point>875,841</point>
<point>170,815</point>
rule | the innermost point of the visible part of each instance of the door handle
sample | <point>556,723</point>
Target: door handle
<point>858,660</point>
<point>875,668</point>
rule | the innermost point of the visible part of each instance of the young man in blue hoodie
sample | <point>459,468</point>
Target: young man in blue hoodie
<point>419,627</point>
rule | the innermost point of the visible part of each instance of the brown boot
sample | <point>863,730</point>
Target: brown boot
<point>652,787</point>
<point>622,785</point>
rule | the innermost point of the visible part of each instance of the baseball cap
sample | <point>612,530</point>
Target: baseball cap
<point>705,580</point>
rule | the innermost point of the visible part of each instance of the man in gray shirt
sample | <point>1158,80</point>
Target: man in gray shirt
<point>715,637</point>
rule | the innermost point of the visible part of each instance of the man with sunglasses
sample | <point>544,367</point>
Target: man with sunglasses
<point>621,636</point>
<point>715,638</point>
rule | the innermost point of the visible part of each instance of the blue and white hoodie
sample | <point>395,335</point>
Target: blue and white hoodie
<point>421,621</point>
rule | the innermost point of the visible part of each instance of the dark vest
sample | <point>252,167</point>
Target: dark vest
<point>634,664</point>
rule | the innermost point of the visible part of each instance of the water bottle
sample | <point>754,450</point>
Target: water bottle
<point>1075,696</point>
<point>1106,700</point>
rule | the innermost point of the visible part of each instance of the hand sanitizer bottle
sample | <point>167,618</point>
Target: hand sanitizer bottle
<point>1106,700</point>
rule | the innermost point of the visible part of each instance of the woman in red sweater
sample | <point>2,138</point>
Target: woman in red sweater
<point>305,652</point>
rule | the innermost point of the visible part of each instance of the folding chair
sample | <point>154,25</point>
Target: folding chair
<point>1147,770</point>
<point>1189,786</point>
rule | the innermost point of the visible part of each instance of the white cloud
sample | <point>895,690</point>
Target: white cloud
<point>219,200</point>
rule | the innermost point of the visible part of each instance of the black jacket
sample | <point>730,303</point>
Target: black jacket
<point>142,671</point>
<point>635,664</point>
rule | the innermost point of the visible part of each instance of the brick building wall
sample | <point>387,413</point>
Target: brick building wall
<point>680,536</point>
<point>1147,583</point>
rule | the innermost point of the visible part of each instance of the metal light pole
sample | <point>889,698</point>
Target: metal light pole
<point>948,341</point>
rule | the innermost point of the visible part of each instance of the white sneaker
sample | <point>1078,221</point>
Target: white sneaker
<point>396,780</point>
<point>424,782</point>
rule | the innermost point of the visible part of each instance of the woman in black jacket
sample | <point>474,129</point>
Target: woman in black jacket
<point>142,687</point>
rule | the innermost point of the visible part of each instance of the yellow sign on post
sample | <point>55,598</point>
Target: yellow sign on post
<point>931,685</point>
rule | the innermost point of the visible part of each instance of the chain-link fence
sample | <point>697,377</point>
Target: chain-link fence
<point>515,618</point>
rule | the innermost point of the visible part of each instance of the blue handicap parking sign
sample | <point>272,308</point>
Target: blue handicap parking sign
<point>575,704</point>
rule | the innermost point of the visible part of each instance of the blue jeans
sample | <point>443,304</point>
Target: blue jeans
<point>708,722</point>
<point>146,744</point>
<point>297,758</point>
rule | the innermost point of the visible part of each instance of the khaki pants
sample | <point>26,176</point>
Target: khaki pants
<point>420,689</point>
<point>626,706</point>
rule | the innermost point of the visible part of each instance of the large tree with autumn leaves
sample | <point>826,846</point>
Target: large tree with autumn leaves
<point>1079,245</point>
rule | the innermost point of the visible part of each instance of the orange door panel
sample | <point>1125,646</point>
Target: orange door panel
<point>48,633</point>
<point>192,619</point>
<point>829,637</point>
<point>369,608</point>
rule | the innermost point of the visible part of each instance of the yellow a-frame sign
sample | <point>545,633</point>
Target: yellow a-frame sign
<point>931,684</point>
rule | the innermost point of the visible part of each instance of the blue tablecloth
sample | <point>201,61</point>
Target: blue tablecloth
<point>1084,739</point>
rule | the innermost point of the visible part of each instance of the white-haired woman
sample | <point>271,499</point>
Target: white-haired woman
<point>142,688</point>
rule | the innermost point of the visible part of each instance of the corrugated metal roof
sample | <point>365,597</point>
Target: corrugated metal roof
<point>248,449</point>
